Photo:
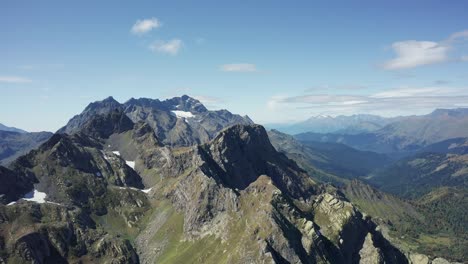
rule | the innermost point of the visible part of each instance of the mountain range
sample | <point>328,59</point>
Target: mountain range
<point>353,124</point>
<point>429,188</point>
<point>406,135</point>
<point>151,181</point>
<point>180,121</point>
<point>14,144</point>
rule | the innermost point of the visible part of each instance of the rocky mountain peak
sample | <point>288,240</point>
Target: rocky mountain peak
<point>106,105</point>
<point>243,153</point>
<point>96,108</point>
<point>186,103</point>
<point>245,138</point>
<point>11,129</point>
<point>179,121</point>
<point>102,126</point>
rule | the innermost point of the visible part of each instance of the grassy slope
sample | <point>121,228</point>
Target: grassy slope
<point>434,225</point>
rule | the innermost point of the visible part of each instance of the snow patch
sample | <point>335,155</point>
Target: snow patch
<point>98,174</point>
<point>131,164</point>
<point>147,190</point>
<point>135,189</point>
<point>182,114</point>
<point>116,153</point>
<point>35,196</point>
<point>323,116</point>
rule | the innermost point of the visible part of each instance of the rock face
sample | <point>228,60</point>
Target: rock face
<point>244,152</point>
<point>369,254</point>
<point>419,259</point>
<point>180,121</point>
<point>118,192</point>
<point>90,191</point>
<point>91,111</point>
<point>13,186</point>
<point>57,234</point>
<point>260,206</point>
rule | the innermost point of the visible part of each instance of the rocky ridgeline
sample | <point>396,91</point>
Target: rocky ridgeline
<point>118,192</point>
<point>180,121</point>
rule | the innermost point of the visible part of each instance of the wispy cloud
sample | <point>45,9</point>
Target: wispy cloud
<point>413,53</point>
<point>415,92</point>
<point>461,35</point>
<point>14,79</point>
<point>397,101</point>
<point>47,66</point>
<point>210,102</point>
<point>239,67</point>
<point>200,41</point>
<point>171,47</point>
<point>208,99</point>
<point>144,26</point>
<point>441,82</point>
<point>335,87</point>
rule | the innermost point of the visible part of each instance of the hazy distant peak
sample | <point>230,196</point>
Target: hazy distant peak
<point>11,129</point>
<point>457,112</point>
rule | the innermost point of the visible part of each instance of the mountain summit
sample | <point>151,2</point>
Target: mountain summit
<point>170,181</point>
<point>179,121</point>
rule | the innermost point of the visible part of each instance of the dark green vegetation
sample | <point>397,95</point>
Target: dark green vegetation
<point>332,158</point>
<point>419,174</point>
<point>141,182</point>
<point>431,211</point>
<point>435,224</point>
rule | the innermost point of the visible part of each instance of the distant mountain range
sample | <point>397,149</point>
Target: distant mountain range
<point>434,179</point>
<point>334,159</point>
<point>169,181</point>
<point>353,124</point>
<point>405,135</point>
<point>15,144</point>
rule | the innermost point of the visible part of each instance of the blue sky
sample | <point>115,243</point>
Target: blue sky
<point>276,61</point>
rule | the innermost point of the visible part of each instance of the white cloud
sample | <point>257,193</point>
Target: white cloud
<point>414,53</point>
<point>239,67</point>
<point>14,79</point>
<point>171,47</point>
<point>144,26</point>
